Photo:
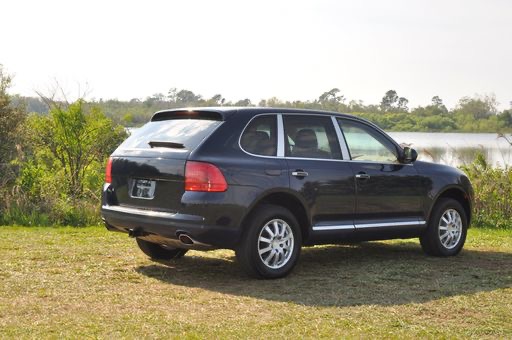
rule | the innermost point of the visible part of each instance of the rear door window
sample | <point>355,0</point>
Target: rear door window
<point>173,133</point>
<point>260,136</point>
<point>310,137</point>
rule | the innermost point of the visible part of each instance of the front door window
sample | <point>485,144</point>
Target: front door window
<point>365,144</point>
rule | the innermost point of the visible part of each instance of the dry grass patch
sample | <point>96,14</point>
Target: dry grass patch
<point>87,282</point>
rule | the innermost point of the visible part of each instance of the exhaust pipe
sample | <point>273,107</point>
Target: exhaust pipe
<point>136,232</point>
<point>185,239</point>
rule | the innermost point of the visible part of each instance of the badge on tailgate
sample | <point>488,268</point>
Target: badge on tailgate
<point>142,188</point>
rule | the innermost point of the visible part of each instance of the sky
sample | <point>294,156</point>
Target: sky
<point>293,50</point>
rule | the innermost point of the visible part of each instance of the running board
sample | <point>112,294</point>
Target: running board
<point>368,225</point>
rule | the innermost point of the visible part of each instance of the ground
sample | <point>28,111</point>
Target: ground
<point>87,282</point>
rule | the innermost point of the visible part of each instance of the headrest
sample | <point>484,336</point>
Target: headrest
<point>306,139</point>
<point>261,136</point>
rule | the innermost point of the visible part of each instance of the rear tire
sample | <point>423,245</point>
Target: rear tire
<point>271,243</point>
<point>447,229</point>
<point>159,252</point>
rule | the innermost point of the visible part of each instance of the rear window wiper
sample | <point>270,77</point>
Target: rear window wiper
<point>172,145</point>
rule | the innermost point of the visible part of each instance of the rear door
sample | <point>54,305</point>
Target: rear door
<point>148,168</point>
<point>318,172</point>
<point>388,194</point>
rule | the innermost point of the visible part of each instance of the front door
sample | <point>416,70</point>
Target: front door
<point>388,193</point>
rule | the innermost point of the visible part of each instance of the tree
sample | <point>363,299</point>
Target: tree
<point>402,104</point>
<point>187,98</point>
<point>171,94</point>
<point>79,138</point>
<point>506,118</point>
<point>11,119</point>
<point>478,107</point>
<point>435,109</point>
<point>216,100</point>
<point>438,106</point>
<point>391,102</point>
<point>388,101</point>
<point>243,102</point>
<point>331,97</point>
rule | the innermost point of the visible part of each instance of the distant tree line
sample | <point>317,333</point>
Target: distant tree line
<point>471,114</point>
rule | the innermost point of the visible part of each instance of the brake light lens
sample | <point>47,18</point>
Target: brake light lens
<point>200,176</point>
<point>108,171</point>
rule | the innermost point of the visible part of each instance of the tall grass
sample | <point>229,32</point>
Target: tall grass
<point>493,193</point>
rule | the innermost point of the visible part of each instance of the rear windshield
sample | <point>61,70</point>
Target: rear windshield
<point>177,133</point>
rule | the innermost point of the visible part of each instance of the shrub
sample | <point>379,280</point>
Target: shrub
<point>61,176</point>
<point>493,193</point>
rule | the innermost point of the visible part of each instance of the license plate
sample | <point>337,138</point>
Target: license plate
<point>143,188</point>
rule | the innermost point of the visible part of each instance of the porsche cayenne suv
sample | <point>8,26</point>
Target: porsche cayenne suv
<point>267,181</point>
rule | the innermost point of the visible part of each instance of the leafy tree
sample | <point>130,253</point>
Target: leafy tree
<point>331,97</point>
<point>402,104</point>
<point>435,109</point>
<point>478,107</point>
<point>216,100</point>
<point>75,139</point>
<point>437,106</point>
<point>271,102</point>
<point>155,98</point>
<point>388,101</point>
<point>11,119</point>
<point>187,98</point>
<point>506,118</point>
<point>243,102</point>
<point>391,102</point>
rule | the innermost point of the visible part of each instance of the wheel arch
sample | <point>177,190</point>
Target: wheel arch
<point>288,201</point>
<point>457,194</point>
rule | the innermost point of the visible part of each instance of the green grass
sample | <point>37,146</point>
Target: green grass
<point>87,282</point>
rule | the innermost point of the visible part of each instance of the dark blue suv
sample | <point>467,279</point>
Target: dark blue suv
<point>267,181</point>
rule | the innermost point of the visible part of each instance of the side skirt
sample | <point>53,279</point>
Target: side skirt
<point>365,231</point>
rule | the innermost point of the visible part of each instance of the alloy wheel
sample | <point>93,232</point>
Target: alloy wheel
<point>275,243</point>
<point>450,228</point>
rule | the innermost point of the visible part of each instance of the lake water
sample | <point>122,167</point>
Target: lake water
<point>454,148</point>
<point>457,148</point>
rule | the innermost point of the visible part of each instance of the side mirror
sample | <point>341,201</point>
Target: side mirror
<point>410,155</point>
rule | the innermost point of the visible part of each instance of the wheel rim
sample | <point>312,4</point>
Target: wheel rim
<point>275,243</point>
<point>450,228</point>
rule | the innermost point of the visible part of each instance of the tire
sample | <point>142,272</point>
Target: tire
<point>159,252</point>
<point>273,231</point>
<point>447,229</point>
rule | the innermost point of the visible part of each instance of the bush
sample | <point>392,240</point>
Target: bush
<point>61,176</point>
<point>493,193</point>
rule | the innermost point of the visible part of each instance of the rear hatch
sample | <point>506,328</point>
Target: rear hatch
<point>148,168</point>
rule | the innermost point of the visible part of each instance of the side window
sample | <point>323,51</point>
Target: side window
<point>365,144</point>
<point>260,136</point>
<point>310,137</point>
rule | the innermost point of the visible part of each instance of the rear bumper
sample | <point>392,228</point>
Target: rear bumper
<point>164,226</point>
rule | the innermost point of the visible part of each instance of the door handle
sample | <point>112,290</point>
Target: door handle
<point>362,176</point>
<point>299,173</point>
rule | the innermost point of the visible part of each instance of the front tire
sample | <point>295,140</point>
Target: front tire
<point>447,229</point>
<point>159,252</point>
<point>271,243</point>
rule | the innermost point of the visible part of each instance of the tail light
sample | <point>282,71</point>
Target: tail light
<point>108,171</point>
<point>201,176</point>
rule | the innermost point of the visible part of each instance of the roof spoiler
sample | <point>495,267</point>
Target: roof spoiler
<point>187,114</point>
